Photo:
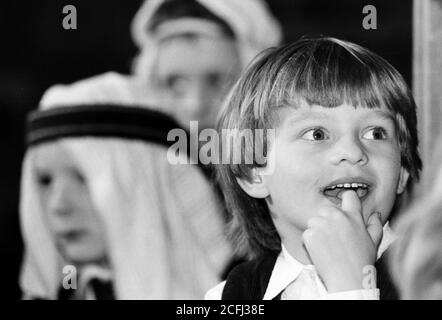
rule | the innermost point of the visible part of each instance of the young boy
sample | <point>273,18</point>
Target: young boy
<point>316,224</point>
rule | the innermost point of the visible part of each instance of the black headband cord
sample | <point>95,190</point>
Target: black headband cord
<point>101,121</point>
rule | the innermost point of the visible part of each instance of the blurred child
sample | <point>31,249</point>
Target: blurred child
<point>192,51</point>
<point>314,217</point>
<point>416,257</point>
<point>103,214</point>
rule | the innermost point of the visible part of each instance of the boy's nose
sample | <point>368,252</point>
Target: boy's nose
<point>60,202</point>
<point>349,149</point>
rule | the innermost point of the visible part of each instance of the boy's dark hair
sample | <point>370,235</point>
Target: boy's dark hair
<point>175,9</point>
<point>324,71</point>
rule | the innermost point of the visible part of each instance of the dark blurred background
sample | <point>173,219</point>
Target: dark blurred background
<point>36,52</point>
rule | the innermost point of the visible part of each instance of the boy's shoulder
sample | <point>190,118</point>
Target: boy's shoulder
<point>249,280</point>
<point>387,289</point>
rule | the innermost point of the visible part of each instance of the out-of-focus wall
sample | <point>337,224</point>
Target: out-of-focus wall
<point>427,81</point>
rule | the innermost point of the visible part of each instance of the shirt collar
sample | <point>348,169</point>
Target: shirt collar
<point>387,239</point>
<point>287,268</point>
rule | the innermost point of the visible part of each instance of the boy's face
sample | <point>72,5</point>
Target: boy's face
<point>319,152</point>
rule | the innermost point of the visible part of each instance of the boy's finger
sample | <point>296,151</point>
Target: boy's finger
<point>374,228</point>
<point>351,204</point>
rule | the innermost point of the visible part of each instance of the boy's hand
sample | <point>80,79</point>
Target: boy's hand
<point>340,245</point>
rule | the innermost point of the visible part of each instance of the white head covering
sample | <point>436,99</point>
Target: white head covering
<point>254,27</point>
<point>163,225</point>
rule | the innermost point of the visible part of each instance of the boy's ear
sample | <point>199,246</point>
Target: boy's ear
<point>255,186</point>
<point>403,178</point>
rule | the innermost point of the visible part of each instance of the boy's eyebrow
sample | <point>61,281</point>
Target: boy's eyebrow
<point>307,115</point>
<point>384,114</point>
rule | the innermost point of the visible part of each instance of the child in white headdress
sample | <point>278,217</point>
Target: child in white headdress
<point>192,51</point>
<point>103,214</point>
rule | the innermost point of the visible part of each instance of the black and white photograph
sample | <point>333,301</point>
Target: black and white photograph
<point>210,150</point>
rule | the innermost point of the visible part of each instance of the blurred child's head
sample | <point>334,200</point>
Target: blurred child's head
<point>192,51</point>
<point>344,119</point>
<point>197,60</point>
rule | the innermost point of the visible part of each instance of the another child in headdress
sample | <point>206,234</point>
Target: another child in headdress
<point>192,51</point>
<point>98,194</point>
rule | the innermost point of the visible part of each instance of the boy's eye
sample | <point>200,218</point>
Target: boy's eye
<point>376,133</point>
<point>44,180</point>
<point>316,134</point>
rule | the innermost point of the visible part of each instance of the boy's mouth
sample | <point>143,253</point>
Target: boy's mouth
<point>335,190</point>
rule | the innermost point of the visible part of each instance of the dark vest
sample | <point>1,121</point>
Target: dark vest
<point>103,290</point>
<point>249,280</point>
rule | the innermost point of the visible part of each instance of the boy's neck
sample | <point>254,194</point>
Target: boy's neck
<point>294,244</point>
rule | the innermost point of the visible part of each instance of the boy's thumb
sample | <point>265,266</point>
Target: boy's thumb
<point>374,228</point>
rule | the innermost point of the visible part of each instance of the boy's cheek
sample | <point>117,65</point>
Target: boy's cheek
<point>292,211</point>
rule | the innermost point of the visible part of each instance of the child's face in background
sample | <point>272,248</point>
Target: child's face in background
<point>194,74</point>
<point>73,222</point>
<point>321,151</point>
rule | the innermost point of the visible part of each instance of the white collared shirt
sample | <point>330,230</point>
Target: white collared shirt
<point>297,281</point>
